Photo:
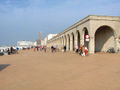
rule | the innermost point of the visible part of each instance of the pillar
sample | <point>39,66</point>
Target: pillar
<point>82,38</point>
<point>117,44</point>
<point>92,45</point>
<point>75,35</point>
<point>67,43</point>
<point>71,43</point>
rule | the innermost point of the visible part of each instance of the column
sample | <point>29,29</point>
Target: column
<point>71,43</point>
<point>92,45</point>
<point>82,38</point>
<point>67,43</point>
<point>76,38</point>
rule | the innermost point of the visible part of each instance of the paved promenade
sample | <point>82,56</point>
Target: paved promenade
<point>30,70</point>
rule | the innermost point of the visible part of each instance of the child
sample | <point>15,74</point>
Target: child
<point>83,50</point>
<point>86,51</point>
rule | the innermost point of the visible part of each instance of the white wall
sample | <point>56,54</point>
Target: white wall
<point>51,36</point>
<point>25,43</point>
<point>48,37</point>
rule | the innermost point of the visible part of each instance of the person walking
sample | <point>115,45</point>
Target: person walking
<point>45,48</point>
<point>34,49</point>
<point>11,50</point>
<point>80,50</point>
<point>17,50</point>
<point>8,51</point>
<point>65,48</point>
<point>52,49</point>
<point>83,50</point>
<point>40,48</point>
<point>55,48</point>
<point>86,51</point>
<point>76,49</point>
<point>37,48</point>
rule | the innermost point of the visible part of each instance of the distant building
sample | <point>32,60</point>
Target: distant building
<point>42,42</point>
<point>35,43</point>
<point>39,39</point>
<point>25,44</point>
<point>48,37</point>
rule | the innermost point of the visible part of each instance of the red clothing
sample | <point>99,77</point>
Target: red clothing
<point>86,52</point>
<point>33,49</point>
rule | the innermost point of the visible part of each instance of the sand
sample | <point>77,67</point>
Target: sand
<point>30,70</point>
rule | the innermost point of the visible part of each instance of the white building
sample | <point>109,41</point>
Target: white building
<point>35,43</point>
<point>48,37</point>
<point>25,44</point>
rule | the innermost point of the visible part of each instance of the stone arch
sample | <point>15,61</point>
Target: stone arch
<point>84,33</point>
<point>73,41</point>
<point>78,38</point>
<point>104,38</point>
<point>65,40</point>
<point>68,46</point>
<point>62,41</point>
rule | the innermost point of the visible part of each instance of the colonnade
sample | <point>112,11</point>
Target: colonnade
<point>102,30</point>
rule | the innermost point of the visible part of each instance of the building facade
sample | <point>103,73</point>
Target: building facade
<point>25,44</point>
<point>47,38</point>
<point>104,33</point>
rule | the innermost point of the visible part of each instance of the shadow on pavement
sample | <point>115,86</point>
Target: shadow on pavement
<point>3,66</point>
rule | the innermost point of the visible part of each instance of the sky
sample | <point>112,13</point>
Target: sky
<point>24,19</point>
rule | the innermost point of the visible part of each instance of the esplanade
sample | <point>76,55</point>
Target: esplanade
<point>103,32</point>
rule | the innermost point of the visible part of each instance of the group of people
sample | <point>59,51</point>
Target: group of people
<point>9,51</point>
<point>53,48</point>
<point>82,50</point>
<point>44,48</point>
<point>40,48</point>
<point>12,50</point>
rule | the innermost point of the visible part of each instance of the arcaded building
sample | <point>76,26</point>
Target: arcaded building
<point>103,32</point>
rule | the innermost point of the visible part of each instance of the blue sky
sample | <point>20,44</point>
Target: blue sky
<point>24,19</point>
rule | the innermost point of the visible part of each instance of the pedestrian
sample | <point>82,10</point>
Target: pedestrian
<point>86,51</point>
<point>83,50</point>
<point>45,48</point>
<point>55,48</point>
<point>52,48</point>
<point>37,48</point>
<point>17,50</point>
<point>34,49</point>
<point>11,50</point>
<point>65,48</point>
<point>40,48</point>
<point>76,49</point>
<point>8,51</point>
<point>80,50</point>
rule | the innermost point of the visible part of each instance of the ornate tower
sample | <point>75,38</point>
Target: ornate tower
<point>39,39</point>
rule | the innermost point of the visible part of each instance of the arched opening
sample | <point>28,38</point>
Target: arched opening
<point>104,39</point>
<point>68,42</point>
<point>65,41</point>
<point>78,39</point>
<point>86,42</point>
<point>73,42</point>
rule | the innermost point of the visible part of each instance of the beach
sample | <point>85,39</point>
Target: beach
<point>30,70</point>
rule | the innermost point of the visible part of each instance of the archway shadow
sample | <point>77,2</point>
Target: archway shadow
<point>3,66</point>
<point>103,30</point>
<point>78,39</point>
